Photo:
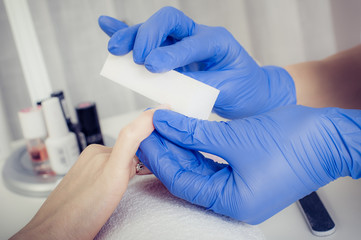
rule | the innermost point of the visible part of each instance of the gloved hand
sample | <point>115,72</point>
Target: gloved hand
<point>274,159</point>
<point>171,40</point>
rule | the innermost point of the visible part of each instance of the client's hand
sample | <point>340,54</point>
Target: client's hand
<point>87,196</point>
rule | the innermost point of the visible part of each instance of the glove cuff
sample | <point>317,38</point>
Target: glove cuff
<point>347,123</point>
<point>282,89</point>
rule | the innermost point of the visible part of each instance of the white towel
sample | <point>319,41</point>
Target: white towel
<point>149,211</point>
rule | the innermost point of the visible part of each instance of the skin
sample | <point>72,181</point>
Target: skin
<point>332,82</point>
<point>89,193</point>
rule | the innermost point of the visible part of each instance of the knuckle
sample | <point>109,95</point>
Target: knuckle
<point>223,34</point>
<point>127,133</point>
<point>222,30</point>
<point>94,149</point>
<point>94,152</point>
<point>168,10</point>
<point>102,156</point>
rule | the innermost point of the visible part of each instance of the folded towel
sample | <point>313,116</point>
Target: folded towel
<point>149,211</point>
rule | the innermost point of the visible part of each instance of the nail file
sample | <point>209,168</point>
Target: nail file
<point>316,215</point>
<point>184,94</point>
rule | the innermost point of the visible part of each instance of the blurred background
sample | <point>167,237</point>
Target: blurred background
<point>277,32</point>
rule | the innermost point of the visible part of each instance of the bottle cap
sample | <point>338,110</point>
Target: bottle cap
<point>88,118</point>
<point>59,94</point>
<point>32,123</point>
<point>54,118</point>
<point>64,107</point>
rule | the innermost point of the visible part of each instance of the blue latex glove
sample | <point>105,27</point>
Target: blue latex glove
<point>171,40</point>
<point>274,159</point>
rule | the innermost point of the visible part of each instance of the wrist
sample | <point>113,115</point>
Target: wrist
<point>347,131</point>
<point>31,231</point>
<point>282,89</point>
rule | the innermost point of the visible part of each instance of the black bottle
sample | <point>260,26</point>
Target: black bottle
<point>89,123</point>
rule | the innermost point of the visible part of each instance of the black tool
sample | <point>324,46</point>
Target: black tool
<point>316,215</point>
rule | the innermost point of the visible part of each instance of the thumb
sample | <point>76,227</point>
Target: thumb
<point>186,174</point>
<point>191,133</point>
<point>110,25</point>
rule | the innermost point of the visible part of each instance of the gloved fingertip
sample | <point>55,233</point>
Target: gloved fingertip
<point>110,25</point>
<point>102,20</point>
<point>107,20</point>
<point>152,68</point>
<point>103,26</point>
<point>114,50</point>
<point>113,45</point>
<point>117,50</point>
<point>138,59</point>
<point>157,61</point>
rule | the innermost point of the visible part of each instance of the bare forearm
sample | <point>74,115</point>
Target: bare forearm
<point>332,82</point>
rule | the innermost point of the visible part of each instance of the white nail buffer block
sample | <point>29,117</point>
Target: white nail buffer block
<point>184,94</point>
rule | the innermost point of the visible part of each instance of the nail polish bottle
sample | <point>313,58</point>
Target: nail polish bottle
<point>89,122</point>
<point>34,131</point>
<point>80,138</point>
<point>64,107</point>
<point>61,144</point>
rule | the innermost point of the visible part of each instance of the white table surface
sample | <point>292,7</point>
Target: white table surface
<point>342,199</point>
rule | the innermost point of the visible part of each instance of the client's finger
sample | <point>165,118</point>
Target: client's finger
<point>128,142</point>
